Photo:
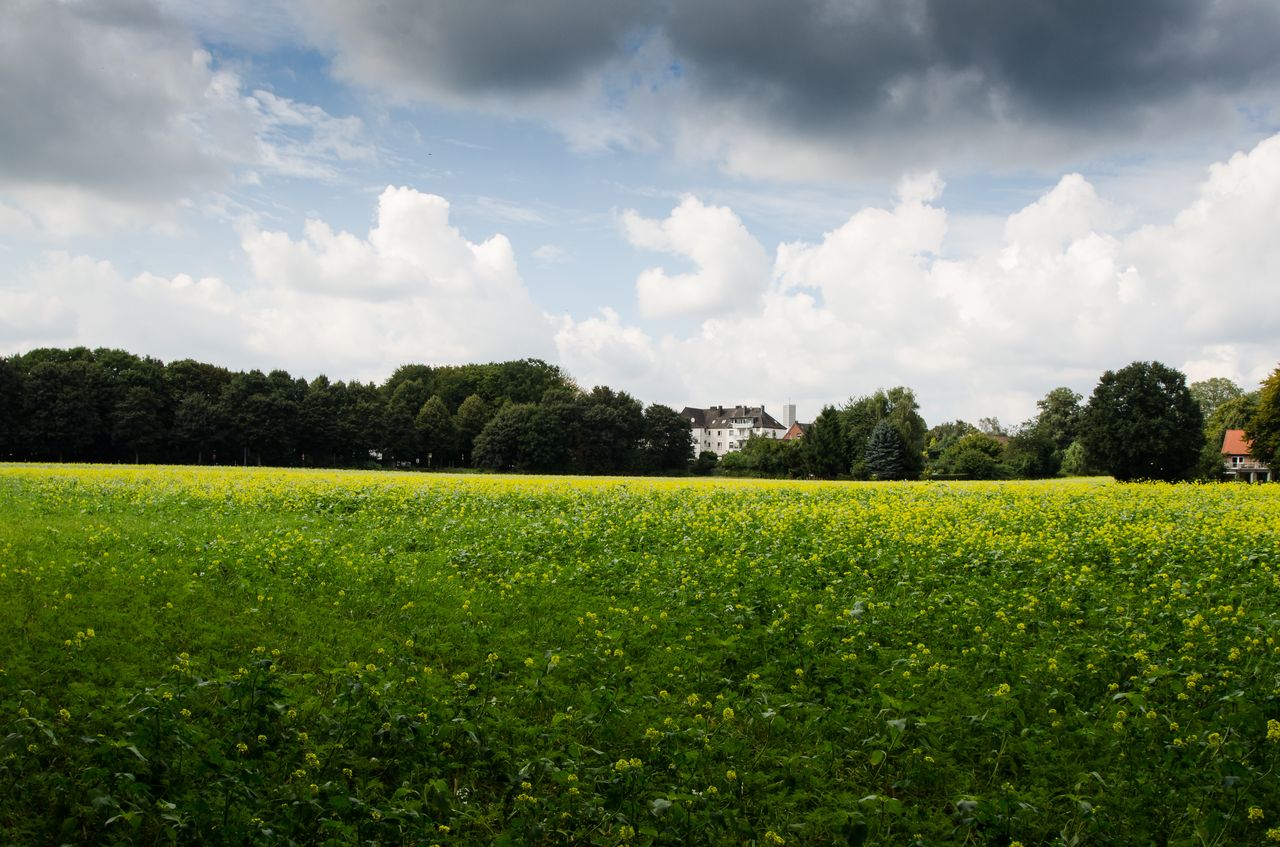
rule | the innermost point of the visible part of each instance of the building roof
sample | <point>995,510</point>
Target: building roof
<point>723,416</point>
<point>1234,443</point>
<point>796,431</point>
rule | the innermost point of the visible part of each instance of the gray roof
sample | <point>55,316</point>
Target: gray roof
<point>723,416</point>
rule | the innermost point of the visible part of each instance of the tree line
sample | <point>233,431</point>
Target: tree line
<point>1141,422</point>
<point>108,405</point>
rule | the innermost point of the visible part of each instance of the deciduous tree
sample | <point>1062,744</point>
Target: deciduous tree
<point>1143,423</point>
<point>1264,427</point>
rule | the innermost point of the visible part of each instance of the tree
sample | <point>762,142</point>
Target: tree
<point>361,422</point>
<point>1059,417</point>
<point>469,421</point>
<point>705,464</point>
<point>1264,427</point>
<point>824,448</point>
<point>319,438</point>
<point>610,431</point>
<point>1031,452</point>
<point>400,435</point>
<point>974,456</point>
<point>437,435</point>
<point>886,452</point>
<point>1143,423</point>
<point>1235,413</point>
<point>1211,393</point>
<point>10,407</point>
<point>136,424</point>
<point>991,426</point>
<point>1075,461</point>
<point>199,428</point>
<point>667,444</point>
<point>898,406</point>
<point>523,437</point>
<point>943,435</point>
<point>61,408</point>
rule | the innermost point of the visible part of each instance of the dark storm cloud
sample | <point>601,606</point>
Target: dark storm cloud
<point>815,64</point>
<point>478,46</point>
<point>1054,61</point>
<point>95,97</point>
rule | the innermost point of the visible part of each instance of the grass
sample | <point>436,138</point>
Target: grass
<point>262,656</point>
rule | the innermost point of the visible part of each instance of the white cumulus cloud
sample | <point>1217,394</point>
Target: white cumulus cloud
<point>732,268</point>
<point>413,290</point>
<point>1060,293</point>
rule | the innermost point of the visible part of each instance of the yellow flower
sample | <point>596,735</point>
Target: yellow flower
<point>1273,730</point>
<point>1255,814</point>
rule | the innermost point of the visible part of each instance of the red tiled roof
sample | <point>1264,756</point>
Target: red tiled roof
<point>1235,444</point>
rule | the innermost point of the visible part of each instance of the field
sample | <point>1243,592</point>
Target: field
<point>262,656</point>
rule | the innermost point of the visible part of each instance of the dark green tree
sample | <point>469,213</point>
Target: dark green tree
<point>62,402</point>
<point>10,408</point>
<point>898,406</point>
<point>401,443</point>
<point>437,436</point>
<point>361,422</point>
<point>469,421</point>
<point>1059,417</point>
<point>1032,452</point>
<point>973,456</point>
<point>705,464</point>
<point>610,431</point>
<point>1264,427</point>
<point>824,448</point>
<point>317,427</point>
<point>524,437</point>
<point>886,454</point>
<point>1143,423</point>
<point>137,423</point>
<point>667,443</point>
<point>200,430</point>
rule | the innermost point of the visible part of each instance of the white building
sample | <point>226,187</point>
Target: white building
<point>723,429</point>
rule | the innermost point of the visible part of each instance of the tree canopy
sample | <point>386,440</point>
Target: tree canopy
<point>1142,423</point>
<point>1264,427</point>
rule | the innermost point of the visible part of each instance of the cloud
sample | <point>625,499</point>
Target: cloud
<point>458,53</point>
<point>731,266</point>
<point>1060,294</point>
<point>816,89</point>
<point>1217,261</point>
<point>116,114</point>
<point>549,253</point>
<point>414,290</point>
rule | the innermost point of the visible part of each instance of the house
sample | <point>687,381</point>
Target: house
<point>1237,463</point>
<point>723,429</point>
<point>796,431</point>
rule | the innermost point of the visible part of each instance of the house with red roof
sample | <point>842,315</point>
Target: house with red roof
<point>796,431</point>
<point>1237,463</point>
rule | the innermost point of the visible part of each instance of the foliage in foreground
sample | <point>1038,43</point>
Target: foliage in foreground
<point>224,656</point>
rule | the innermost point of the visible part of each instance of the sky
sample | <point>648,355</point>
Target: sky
<point>700,202</point>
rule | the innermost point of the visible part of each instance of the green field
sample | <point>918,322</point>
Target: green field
<point>262,656</point>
